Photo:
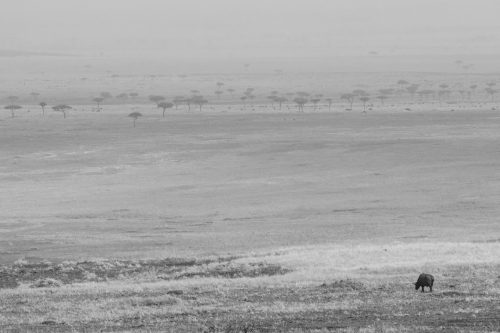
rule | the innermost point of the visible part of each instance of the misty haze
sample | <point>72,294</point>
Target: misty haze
<point>250,166</point>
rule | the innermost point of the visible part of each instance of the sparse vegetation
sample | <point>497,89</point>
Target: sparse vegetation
<point>12,108</point>
<point>135,116</point>
<point>43,105</point>
<point>164,106</point>
<point>63,108</point>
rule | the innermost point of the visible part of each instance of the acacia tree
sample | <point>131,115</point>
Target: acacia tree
<point>43,105</point>
<point>135,115</point>
<point>315,102</point>
<point>281,100</point>
<point>106,95</point>
<point>12,108</point>
<point>425,93</point>
<point>98,101</point>
<point>300,101</point>
<point>273,99</point>
<point>156,98</point>
<point>364,99</point>
<point>122,96</point>
<point>61,108</point>
<point>490,91</point>
<point>329,100</point>
<point>12,98</point>
<point>199,100</point>
<point>178,100</point>
<point>164,106</point>
<point>402,84</point>
<point>349,98</point>
<point>382,98</point>
<point>386,91</point>
<point>473,88</point>
<point>412,89</point>
<point>243,99</point>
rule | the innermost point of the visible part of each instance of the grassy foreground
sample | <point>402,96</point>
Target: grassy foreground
<point>366,288</point>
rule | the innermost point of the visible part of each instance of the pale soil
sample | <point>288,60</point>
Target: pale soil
<point>196,184</point>
<point>372,199</point>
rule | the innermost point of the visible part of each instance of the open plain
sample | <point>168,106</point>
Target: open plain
<point>250,219</point>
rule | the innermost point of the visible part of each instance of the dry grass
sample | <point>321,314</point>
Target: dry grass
<point>324,288</point>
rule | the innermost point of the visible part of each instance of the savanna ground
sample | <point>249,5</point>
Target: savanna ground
<point>251,220</point>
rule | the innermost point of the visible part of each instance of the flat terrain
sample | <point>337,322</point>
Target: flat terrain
<point>280,220</point>
<point>199,184</point>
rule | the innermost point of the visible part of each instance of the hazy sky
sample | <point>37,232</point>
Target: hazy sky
<point>264,28</point>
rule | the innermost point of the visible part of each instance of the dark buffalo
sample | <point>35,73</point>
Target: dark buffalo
<point>424,280</point>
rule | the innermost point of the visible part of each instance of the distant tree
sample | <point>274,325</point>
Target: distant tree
<point>61,108</point>
<point>178,100</point>
<point>364,99</point>
<point>122,96</point>
<point>133,94</point>
<point>302,94</point>
<point>273,99</point>
<point>491,84</point>
<point>425,93</point>
<point>251,97</point>
<point>35,95</point>
<point>412,89</point>
<point>156,98</point>
<point>330,101</point>
<point>135,115</point>
<point>300,101</point>
<point>249,93</point>
<point>490,91</point>
<point>164,106</point>
<point>195,91</point>
<point>359,92</point>
<point>12,108</point>
<point>218,93</point>
<point>382,98</point>
<point>12,98</point>
<point>315,102</point>
<point>443,93</point>
<point>349,98</point>
<point>463,93</point>
<point>472,90</point>
<point>43,105</point>
<point>231,91</point>
<point>199,100</point>
<point>98,101</point>
<point>243,100</point>
<point>280,100</point>
<point>219,85</point>
<point>106,95</point>
<point>443,86</point>
<point>386,91</point>
<point>402,83</point>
